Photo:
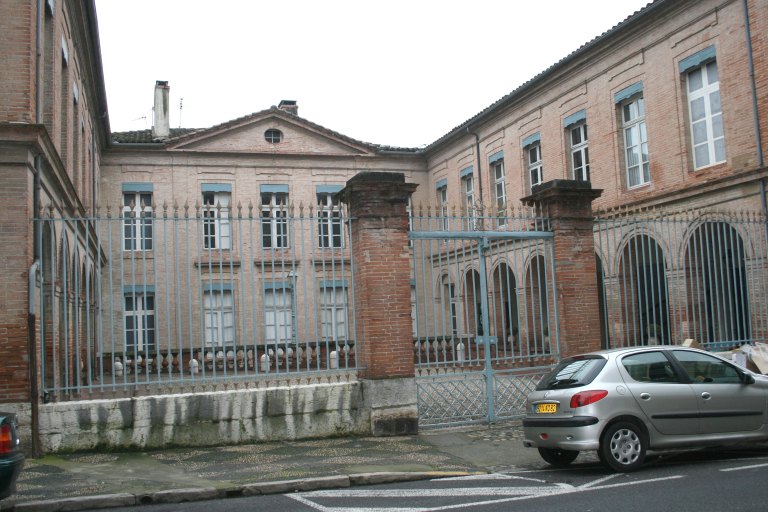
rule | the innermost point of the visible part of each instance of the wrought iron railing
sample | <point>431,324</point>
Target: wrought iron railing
<point>179,296</point>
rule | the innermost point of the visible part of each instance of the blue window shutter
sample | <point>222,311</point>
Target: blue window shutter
<point>216,187</point>
<point>138,289</point>
<point>499,155</point>
<point>328,189</point>
<point>532,139</point>
<point>278,285</point>
<point>697,59</point>
<point>273,189</point>
<point>220,286</point>
<point>466,171</point>
<point>333,283</point>
<point>441,183</point>
<point>576,118</point>
<point>628,92</point>
<point>137,187</point>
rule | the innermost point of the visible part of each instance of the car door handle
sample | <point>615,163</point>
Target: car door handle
<point>706,396</point>
<point>645,396</point>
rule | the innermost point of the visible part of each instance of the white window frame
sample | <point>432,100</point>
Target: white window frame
<point>535,168</point>
<point>578,140</point>
<point>705,115</point>
<point>500,189</point>
<point>636,159</point>
<point>143,320</point>
<point>138,229</point>
<point>217,232</point>
<point>329,226</point>
<point>274,218</point>
<point>442,201</point>
<point>278,314</point>
<point>334,313</point>
<point>219,317</point>
<point>468,191</point>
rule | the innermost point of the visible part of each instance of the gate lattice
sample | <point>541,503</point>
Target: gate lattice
<point>485,315</point>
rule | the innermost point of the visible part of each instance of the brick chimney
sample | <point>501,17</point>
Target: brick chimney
<point>161,124</point>
<point>289,106</point>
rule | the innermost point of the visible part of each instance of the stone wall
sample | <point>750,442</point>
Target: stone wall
<point>284,412</point>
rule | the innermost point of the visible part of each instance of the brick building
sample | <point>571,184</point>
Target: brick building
<point>195,239</point>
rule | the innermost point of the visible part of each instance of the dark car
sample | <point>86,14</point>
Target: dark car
<point>11,458</point>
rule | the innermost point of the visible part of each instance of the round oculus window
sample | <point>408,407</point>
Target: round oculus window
<point>273,136</point>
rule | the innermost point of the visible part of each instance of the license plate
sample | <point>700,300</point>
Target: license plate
<point>546,408</point>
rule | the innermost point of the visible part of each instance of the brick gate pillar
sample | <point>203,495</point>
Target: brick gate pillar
<point>568,205</point>
<point>381,261</point>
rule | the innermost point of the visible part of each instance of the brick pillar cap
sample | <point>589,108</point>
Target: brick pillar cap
<point>387,177</point>
<point>562,188</point>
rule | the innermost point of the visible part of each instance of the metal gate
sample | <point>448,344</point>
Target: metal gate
<point>484,314</point>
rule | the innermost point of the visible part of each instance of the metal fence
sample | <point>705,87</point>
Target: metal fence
<point>181,295</point>
<point>484,312</point>
<point>667,276</point>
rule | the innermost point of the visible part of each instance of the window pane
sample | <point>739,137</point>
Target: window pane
<point>701,156</point>
<point>717,126</point>
<point>720,150</point>
<point>700,132</point>
<point>695,81</point>
<point>712,73</point>
<point>714,103</point>
<point>698,109</point>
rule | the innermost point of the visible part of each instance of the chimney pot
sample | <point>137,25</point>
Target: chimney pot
<point>289,106</point>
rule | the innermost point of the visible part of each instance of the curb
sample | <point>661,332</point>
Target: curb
<point>210,493</point>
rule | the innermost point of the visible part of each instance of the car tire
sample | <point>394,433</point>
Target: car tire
<point>558,457</point>
<point>623,446</point>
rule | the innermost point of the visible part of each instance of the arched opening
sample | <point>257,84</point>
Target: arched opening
<point>645,299</point>
<point>473,316</point>
<point>48,271</point>
<point>717,285</point>
<point>504,307</point>
<point>537,307</point>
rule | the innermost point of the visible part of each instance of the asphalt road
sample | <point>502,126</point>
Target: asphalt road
<point>716,481</point>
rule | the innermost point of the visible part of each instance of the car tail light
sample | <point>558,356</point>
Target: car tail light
<point>587,397</point>
<point>6,439</point>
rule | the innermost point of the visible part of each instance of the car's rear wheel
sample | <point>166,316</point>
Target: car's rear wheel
<point>557,456</point>
<point>623,446</point>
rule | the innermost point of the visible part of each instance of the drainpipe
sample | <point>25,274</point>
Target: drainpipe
<point>34,389</point>
<point>479,173</point>
<point>755,110</point>
<point>751,64</point>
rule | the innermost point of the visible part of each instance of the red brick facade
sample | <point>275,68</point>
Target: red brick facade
<point>377,205</point>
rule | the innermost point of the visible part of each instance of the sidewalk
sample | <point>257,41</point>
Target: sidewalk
<point>100,480</point>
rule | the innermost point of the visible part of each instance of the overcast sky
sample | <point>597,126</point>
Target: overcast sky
<point>395,72</point>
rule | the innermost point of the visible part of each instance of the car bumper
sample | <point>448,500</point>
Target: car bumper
<point>10,467</point>
<point>576,433</point>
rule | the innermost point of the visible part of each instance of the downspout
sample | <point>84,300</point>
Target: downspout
<point>755,110</point>
<point>751,65</point>
<point>34,391</point>
<point>479,173</point>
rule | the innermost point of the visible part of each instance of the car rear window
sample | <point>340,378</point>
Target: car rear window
<point>573,373</point>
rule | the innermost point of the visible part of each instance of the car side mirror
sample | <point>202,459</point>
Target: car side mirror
<point>748,379</point>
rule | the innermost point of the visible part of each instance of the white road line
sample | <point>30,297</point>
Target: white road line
<point>490,476</point>
<point>534,492</point>
<point>753,466</point>
<point>598,481</point>
<point>427,493</point>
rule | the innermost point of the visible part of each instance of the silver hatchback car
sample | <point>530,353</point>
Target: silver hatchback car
<point>627,402</point>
